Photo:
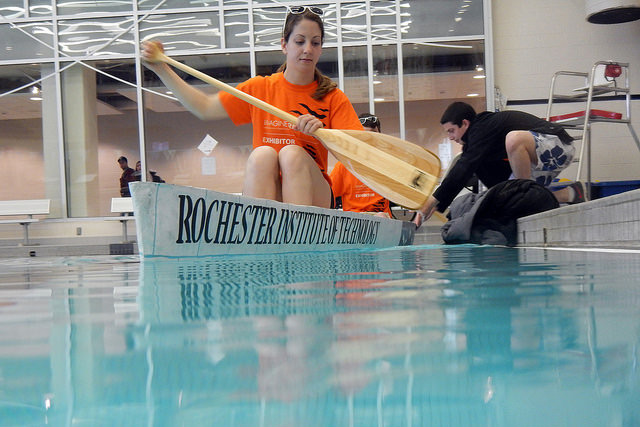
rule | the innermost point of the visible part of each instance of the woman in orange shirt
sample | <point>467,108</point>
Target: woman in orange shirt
<point>287,163</point>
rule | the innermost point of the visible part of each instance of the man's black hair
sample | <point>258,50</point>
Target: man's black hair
<point>457,112</point>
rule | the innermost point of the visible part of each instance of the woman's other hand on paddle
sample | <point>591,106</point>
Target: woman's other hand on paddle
<point>425,212</point>
<point>308,124</point>
<point>150,53</point>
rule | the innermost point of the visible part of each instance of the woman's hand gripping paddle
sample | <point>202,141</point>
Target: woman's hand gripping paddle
<point>403,172</point>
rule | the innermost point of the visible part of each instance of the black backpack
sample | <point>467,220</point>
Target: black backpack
<point>492,218</point>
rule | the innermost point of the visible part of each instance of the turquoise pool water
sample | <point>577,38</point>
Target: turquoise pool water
<point>414,336</point>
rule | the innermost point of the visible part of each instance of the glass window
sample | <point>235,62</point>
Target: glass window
<point>100,125</point>
<point>173,134</point>
<point>73,7</point>
<point>29,166</point>
<point>434,76</point>
<point>438,18</point>
<point>236,28</point>
<point>183,4</point>
<point>383,20</point>
<point>12,9</point>
<point>183,31</point>
<point>353,21</point>
<point>96,37</point>
<point>39,7</point>
<point>356,81</point>
<point>269,62</point>
<point>330,23</point>
<point>26,40</point>
<point>385,88</point>
<point>267,25</point>
<point>328,63</point>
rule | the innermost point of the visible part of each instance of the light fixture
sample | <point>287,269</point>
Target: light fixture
<point>479,76</point>
<point>35,90</point>
<point>471,95</point>
<point>612,11</point>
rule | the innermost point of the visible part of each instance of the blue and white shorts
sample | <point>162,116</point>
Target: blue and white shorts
<point>553,157</point>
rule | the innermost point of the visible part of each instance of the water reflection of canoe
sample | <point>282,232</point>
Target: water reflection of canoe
<point>180,221</point>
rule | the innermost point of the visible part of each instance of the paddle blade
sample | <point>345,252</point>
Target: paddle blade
<point>409,152</point>
<point>399,193</point>
<point>401,171</point>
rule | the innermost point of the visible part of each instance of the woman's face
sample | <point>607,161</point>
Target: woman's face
<point>304,46</point>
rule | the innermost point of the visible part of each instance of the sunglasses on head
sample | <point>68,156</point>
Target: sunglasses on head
<point>370,121</point>
<point>296,10</point>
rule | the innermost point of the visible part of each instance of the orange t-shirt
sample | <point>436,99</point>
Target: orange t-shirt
<point>355,195</point>
<point>334,111</point>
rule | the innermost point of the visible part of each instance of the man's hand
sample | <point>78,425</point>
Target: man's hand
<point>425,212</point>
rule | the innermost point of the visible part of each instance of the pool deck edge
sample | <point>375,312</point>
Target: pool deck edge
<point>610,222</point>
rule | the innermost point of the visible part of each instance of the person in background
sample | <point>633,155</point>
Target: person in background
<point>128,175</point>
<point>354,195</point>
<point>155,177</point>
<point>138,172</point>
<point>287,163</point>
<point>501,146</point>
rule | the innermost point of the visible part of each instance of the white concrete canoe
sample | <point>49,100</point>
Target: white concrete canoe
<point>179,221</point>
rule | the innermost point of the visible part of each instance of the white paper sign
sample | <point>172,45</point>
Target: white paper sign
<point>208,166</point>
<point>207,145</point>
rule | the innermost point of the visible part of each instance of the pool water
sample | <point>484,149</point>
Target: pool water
<point>415,336</point>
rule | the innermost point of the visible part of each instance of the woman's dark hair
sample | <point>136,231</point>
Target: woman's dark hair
<point>325,84</point>
<point>457,112</point>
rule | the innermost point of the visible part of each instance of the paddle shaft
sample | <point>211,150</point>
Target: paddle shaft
<point>230,89</point>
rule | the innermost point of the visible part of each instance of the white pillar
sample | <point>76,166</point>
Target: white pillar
<point>51,144</point>
<point>81,140</point>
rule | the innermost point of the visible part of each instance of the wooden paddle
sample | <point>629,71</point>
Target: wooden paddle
<point>403,172</point>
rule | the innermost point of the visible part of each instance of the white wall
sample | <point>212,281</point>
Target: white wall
<point>534,39</point>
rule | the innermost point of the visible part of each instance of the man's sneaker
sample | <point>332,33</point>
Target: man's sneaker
<point>578,192</point>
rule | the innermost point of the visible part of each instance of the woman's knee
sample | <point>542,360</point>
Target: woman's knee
<point>294,157</point>
<point>264,153</point>
<point>261,165</point>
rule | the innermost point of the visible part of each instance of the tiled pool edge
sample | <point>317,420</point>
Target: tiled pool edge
<point>610,222</point>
